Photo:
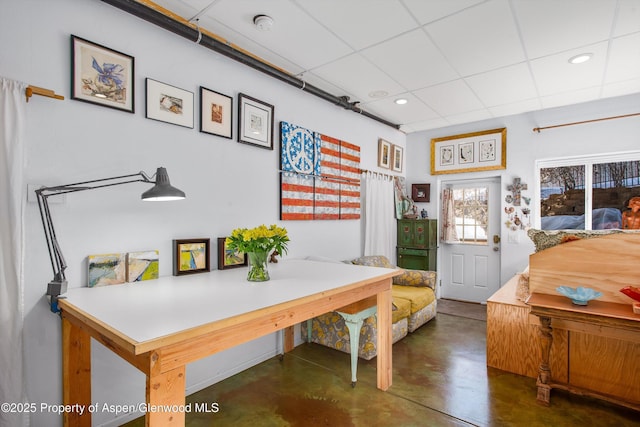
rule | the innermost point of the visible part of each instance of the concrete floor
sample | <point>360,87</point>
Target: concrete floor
<point>440,378</point>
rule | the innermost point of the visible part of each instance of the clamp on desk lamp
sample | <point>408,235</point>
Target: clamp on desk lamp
<point>161,191</point>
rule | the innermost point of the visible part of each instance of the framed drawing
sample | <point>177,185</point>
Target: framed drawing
<point>101,76</point>
<point>255,122</point>
<point>169,104</point>
<point>384,153</point>
<point>469,152</point>
<point>396,162</point>
<point>229,258</point>
<point>191,256</point>
<point>216,113</point>
<point>420,192</point>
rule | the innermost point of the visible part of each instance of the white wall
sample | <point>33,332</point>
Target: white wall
<point>524,147</point>
<point>227,184</point>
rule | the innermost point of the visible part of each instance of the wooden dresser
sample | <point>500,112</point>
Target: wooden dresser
<point>592,352</point>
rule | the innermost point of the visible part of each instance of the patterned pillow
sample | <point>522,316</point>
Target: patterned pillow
<point>417,278</point>
<point>543,239</point>
<point>373,261</point>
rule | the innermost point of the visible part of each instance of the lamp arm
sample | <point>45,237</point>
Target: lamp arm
<point>58,285</point>
<point>82,186</point>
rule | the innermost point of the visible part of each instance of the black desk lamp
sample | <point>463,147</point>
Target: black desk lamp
<point>161,191</point>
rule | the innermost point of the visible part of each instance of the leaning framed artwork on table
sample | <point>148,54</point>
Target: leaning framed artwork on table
<point>469,152</point>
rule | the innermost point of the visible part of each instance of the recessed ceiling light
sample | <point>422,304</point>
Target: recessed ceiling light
<point>263,22</point>
<point>401,101</point>
<point>378,94</point>
<point>579,59</point>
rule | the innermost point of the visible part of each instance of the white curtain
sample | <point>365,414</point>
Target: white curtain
<point>12,125</point>
<point>379,215</point>
<point>449,233</point>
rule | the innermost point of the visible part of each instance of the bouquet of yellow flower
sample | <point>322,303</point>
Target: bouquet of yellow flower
<point>259,239</point>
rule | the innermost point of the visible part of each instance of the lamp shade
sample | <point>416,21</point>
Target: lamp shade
<point>162,191</point>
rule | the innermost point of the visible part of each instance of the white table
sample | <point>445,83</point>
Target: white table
<point>161,325</point>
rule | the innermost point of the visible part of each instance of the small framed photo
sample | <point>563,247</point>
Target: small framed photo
<point>216,113</point>
<point>396,162</point>
<point>421,192</point>
<point>255,122</point>
<point>487,150</point>
<point>446,155</point>
<point>169,104</point>
<point>229,258</point>
<point>101,76</point>
<point>384,153</point>
<point>465,153</point>
<point>191,256</point>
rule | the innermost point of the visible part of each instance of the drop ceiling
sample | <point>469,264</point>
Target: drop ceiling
<point>454,61</point>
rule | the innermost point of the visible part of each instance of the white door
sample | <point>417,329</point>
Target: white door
<point>470,266</point>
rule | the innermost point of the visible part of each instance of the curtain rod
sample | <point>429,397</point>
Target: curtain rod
<point>35,90</point>
<point>585,121</point>
<point>379,173</point>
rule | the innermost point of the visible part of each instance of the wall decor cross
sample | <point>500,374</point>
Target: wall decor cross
<point>516,188</point>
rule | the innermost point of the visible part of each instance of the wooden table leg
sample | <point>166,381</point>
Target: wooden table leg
<point>384,360</point>
<point>288,339</point>
<point>544,371</point>
<point>166,398</point>
<point>76,375</point>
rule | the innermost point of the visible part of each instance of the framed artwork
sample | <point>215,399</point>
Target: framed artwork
<point>216,113</point>
<point>106,269</point>
<point>255,122</point>
<point>469,152</point>
<point>143,266</point>
<point>420,192</point>
<point>229,258</point>
<point>396,162</point>
<point>101,76</point>
<point>191,256</point>
<point>169,104</point>
<point>384,153</point>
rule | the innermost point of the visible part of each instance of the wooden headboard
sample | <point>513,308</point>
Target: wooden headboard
<point>606,264</point>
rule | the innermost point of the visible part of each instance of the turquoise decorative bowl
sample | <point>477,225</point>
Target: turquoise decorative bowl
<point>579,295</point>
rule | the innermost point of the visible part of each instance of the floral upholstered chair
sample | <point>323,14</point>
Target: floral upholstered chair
<point>414,304</point>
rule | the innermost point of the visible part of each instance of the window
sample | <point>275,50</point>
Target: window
<point>471,208</point>
<point>591,193</point>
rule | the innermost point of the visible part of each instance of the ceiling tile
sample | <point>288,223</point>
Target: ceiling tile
<point>361,23</point>
<point>468,117</point>
<point>504,86</point>
<point>359,76</point>
<point>624,59</point>
<point>432,10</point>
<point>478,39</point>
<point>621,88</point>
<point>294,35</point>
<point>414,110</point>
<point>551,26</point>
<point>628,17</point>
<point>554,74</point>
<point>571,97</point>
<point>449,98</point>
<point>399,58</point>
<point>515,108</point>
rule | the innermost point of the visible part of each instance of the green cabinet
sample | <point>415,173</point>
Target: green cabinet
<point>417,244</point>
